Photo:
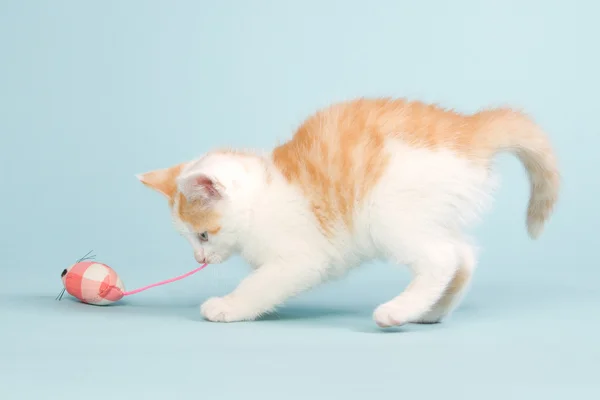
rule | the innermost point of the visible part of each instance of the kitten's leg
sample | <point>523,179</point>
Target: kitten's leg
<point>455,291</point>
<point>267,287</point>
<point>433,268</point>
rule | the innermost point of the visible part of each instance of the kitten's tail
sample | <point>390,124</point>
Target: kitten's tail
<point>514,132</point>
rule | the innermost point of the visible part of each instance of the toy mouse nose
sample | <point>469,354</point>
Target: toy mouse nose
<point>63,273</point>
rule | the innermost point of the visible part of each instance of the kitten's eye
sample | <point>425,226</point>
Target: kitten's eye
<point>203,236</point>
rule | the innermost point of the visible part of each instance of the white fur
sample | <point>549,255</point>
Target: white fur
<point>416,215</point>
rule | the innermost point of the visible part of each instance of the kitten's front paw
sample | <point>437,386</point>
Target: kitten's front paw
<point>390,314</point>
<point>223,309</point>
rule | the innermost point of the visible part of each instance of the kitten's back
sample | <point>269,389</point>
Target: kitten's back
<point>339,154</point>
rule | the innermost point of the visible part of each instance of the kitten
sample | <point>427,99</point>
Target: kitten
<point>360,180</point>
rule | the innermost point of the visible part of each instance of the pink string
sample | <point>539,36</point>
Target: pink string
<point>164,282</point>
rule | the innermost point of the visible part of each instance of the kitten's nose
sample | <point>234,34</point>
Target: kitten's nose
<point>199,256</point>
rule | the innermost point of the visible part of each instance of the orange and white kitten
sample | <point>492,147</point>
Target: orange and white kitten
<point>360,180</point>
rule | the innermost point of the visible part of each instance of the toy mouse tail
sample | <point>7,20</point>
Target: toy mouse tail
<point>129,293</point>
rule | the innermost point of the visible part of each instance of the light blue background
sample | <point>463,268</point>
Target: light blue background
<point>92,93</point>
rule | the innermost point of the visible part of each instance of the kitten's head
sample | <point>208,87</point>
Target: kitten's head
<point>200,209</point>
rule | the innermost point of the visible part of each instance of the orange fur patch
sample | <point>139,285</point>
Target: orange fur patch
<point>198,215</point>
<point>163,180</point>
<point>336,157</point>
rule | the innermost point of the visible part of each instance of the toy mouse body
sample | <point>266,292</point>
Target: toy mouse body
<point>93,283</point>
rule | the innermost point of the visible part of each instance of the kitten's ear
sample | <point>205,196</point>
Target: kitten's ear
<point>201,187</point>
<point>163,181</point>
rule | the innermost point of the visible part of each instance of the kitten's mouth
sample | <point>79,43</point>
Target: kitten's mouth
<point>213,259</point>
<point>209,259</point>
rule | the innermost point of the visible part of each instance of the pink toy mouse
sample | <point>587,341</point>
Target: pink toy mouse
<point>95,283</point>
